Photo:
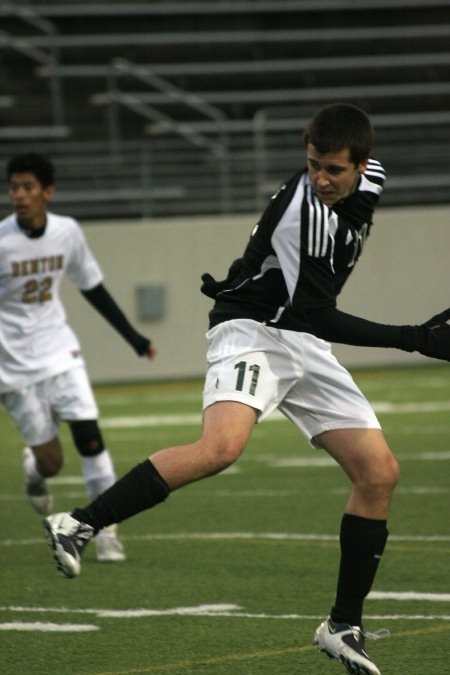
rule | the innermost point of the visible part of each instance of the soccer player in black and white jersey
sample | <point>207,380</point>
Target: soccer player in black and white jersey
<point>268,348</point>
<point>42,373</point>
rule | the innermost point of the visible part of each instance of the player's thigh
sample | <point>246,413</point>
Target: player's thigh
<point>326,397</point>
<point>363,454</point>
<point>247,364</point>
<point>31,411</point>
<point>227,426</point>
<point>72,397</point>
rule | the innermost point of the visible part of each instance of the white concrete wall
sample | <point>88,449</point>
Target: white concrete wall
<point>402,277</point>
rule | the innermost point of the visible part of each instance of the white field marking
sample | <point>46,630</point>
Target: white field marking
<point>66,480</point>
<point>412,407</point>
<point>48,627</point>
<point>116,398</point>
<point>199,610</point>
<point>188,419</point>
<point>79,480</point>
<point>233,611</point>
<point>429,383</point>
<point>286,462</point>
<point>409,595</point>
<point>419,490</point>
<point>438,455</point>
<point>250,494</point>
<point>422,491</point>
<point>418,430</point>
<point>139,435</point>
<point>237,536</point>
<point>303,462</point>
<point>275,536</point>
<point>148,397</point>
<point>195,418</point>
<point>400,491</point>
<point>247,493</point>
<point>291,462</point>
<point>178,394</point>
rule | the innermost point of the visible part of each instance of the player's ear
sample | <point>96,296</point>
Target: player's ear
<point>362,166</point>
<point>49,191</point>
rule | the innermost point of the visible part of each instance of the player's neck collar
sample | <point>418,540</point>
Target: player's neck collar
<point>30,232</point>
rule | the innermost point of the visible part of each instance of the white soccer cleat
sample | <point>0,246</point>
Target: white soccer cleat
<point>37,491</point>
<point>68,538</point>
<point>109,547</point>
<point>346,644</point>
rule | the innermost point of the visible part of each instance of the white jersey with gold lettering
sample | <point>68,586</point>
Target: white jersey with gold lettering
<point>35,340</point>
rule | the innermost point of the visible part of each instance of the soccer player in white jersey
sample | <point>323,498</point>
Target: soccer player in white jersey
<point>42,373</point>
<point>268,349</point>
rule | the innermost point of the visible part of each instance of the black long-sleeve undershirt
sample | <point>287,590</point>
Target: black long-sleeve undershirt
<point>105,304</point>
<point>333,325</point>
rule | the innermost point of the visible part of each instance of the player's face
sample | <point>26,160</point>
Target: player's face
<point>333,176</point>
<point>29,199</point>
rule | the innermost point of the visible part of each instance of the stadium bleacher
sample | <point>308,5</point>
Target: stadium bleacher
<point>178,108</point>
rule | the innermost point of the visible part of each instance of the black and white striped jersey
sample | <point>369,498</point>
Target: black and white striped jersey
<point>299,255</point>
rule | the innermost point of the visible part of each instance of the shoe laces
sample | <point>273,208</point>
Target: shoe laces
<point>377,634</point>
<point>82,536</point>
<point>371,635</point>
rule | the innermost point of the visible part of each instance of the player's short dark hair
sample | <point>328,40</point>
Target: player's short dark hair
<point>339,126</point>
<point>32,162</point>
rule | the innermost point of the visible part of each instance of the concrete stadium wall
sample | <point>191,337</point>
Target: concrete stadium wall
<point>402,277</point>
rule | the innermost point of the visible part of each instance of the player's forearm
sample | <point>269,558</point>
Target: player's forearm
<point>335,326</point>
<point>105,304</point>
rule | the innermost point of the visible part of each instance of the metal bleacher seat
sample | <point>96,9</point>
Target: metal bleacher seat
<point>215,115</point>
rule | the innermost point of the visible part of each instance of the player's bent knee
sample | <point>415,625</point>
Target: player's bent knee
<point>391,472</point>
<point>49,458</point>
<point>227,453</point>
<point>87,437</point>
<point>50,466</point>
<point>381,479</point>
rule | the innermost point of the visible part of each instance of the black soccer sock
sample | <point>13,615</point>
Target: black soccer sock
<point>362,545</point>
<point>140,489</point>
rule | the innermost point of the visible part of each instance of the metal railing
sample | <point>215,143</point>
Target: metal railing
<point>190,157</point>
<point>160,122</point>
<point>47,57</point>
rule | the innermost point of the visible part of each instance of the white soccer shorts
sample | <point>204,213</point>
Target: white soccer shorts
<point>296,373</point>
<point>37,409</point>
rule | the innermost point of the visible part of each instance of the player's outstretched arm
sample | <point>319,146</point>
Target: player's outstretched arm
<point>105,304</point>
<point>430,339</point>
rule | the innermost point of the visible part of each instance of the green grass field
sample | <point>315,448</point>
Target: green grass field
<point>231,576</point>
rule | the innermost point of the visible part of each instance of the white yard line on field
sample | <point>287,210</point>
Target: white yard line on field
<point>216,610</point>
<point>292,462</point>
<point>239,536</point>
<point>409,595</point>
<point>46,627</point>
<point>189,419</point>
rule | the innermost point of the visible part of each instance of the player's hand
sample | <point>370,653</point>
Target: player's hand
<point>434,340</point>
<point>211,287</point>
<point>143,346</point>
<point>151,352</point>
<point>437,319</point>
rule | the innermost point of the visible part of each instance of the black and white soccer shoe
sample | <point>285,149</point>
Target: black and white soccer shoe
<point>346,644</point>
<point>68,538</point>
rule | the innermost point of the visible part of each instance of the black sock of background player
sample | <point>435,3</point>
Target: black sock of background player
<point>140,489</point>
